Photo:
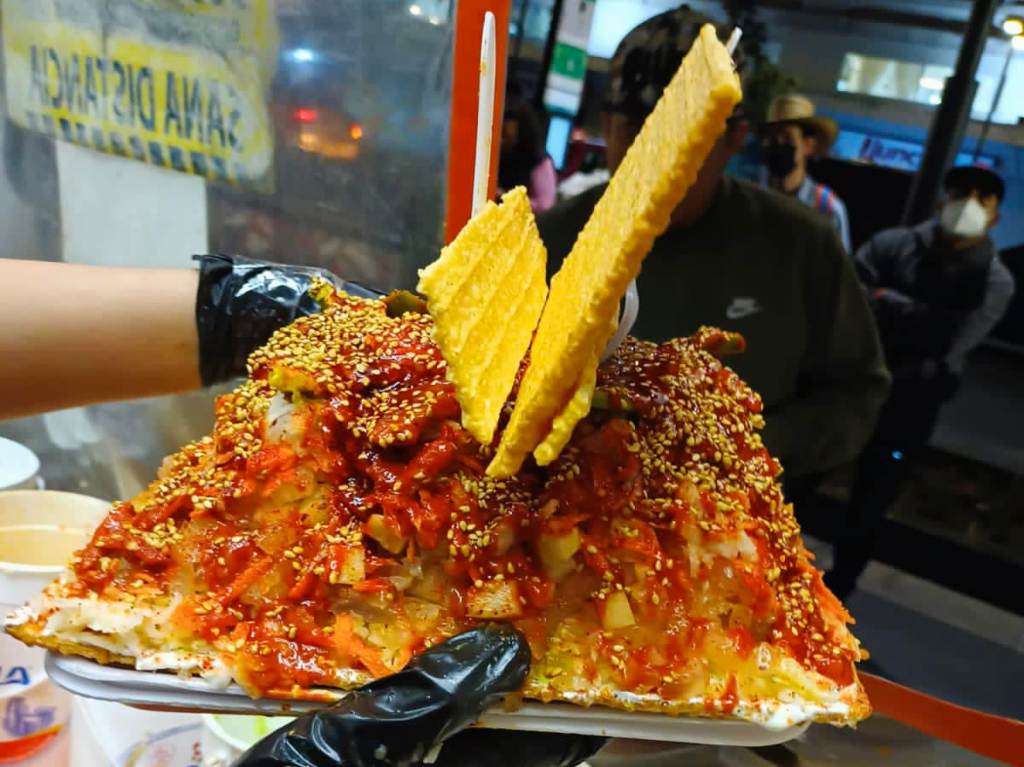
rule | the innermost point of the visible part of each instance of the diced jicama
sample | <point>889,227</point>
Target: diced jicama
<point>348,564</point>
<point>617,613</point>
<point>432,586</point>
<point>378,529</point>
<point>494,600</point>
<point>556,552</point>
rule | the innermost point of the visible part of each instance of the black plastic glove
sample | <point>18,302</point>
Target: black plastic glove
<point>240,303</point>
<point>398,720</point>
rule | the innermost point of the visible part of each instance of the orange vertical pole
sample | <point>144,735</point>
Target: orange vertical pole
<point>469,24</point>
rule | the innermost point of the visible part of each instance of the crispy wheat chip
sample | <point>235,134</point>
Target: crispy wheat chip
<point>485,293</point>
<point>563,424</point>
<point>575,409</point>
<point>654,176</point>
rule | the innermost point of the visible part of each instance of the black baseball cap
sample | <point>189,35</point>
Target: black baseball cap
<point>649,55</point>
<point>971,177</point>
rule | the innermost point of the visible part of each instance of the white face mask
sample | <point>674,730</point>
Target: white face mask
<point>964,218</point>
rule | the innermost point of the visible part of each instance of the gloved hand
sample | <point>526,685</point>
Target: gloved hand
<point>240,303</point>
<point>399,719</point>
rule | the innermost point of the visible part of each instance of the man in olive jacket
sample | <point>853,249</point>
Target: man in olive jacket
<point>750,260</point>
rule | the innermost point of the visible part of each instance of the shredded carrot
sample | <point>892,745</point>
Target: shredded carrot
<point>372,585</point>
<point>348,643</point>
<point>279,479</point>
<point>302,586</point>
<point>183,616</point>
<point>245,579</point>
<point>150,519</point>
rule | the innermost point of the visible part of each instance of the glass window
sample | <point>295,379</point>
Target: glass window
<point>923,83</point>
<point>529,24</point>
<point>537,21</point>
<point>892,79</point>
<point>361,138</point>
<point>614,18</point>
<point>351,107</point>
<point>352,138</point>
<point>433,11</point>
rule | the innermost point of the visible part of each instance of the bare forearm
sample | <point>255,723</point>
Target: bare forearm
<point>74,335</point>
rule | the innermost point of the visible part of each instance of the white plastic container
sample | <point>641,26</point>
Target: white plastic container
<point>19,467</point>
<point>38,532</point>
<point>111,735</point>
<point>225,738</point>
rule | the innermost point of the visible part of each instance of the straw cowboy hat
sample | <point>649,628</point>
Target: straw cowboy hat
<point>793,108</point>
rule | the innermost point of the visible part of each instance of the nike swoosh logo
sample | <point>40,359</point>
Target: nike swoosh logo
<point>742,306</point>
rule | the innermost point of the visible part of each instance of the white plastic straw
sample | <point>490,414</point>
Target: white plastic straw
<point>734,40</point>
<point>484,115</point>
<point>631,305</point>
<point>630,310</point>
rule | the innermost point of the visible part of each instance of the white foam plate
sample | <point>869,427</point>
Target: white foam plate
<point>148,689</point>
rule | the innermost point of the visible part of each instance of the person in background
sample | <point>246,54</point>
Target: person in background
<point>936,290</point>
<point>745,259</point>
<point>524,161</point>
<point>793,134</point>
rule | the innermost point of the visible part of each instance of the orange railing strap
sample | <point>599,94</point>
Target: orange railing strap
<point>469,22</point>
<point>993,736</point>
